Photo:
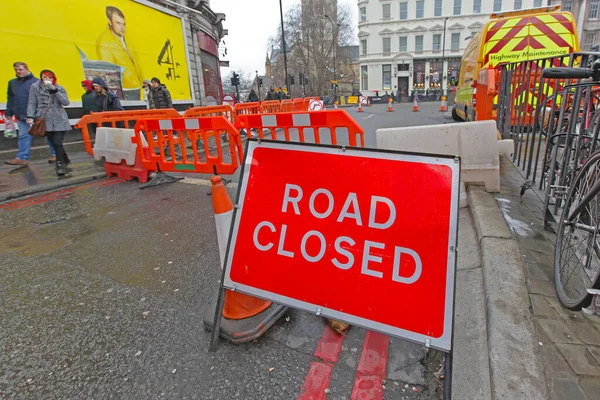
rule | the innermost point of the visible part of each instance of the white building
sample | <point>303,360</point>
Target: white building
<point>402,41</point>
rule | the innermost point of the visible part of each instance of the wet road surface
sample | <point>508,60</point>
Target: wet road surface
<point>103,288</point>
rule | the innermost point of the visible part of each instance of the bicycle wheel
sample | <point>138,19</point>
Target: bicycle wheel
<point>577,251</point>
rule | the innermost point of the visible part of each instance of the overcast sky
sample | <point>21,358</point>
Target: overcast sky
<point>250,24</point>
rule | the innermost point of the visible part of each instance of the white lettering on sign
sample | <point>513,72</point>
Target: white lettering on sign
<point>371,250</point>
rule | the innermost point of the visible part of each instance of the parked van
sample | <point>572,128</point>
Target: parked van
<point>509,37</point>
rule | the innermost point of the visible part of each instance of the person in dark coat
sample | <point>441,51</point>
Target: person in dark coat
<point>252,97</point>
<point>105,99</point>
<point>16,105</point>
<point>271,95</point>
<point>88,99</point>
<point>280,95</point>
<point>159,95</point>
<point>47,99</point>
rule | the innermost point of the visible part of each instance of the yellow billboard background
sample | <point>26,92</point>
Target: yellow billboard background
<point>53,34</point>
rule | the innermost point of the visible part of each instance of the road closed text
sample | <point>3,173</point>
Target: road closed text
<point>366,255</point>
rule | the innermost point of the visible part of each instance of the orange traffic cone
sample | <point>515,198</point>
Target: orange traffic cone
<point>390,109</point>
<point>368,102</point>
<point>246,317</point>
<point>443,107</point>
<point>360,108</point>
<point>415,105</point>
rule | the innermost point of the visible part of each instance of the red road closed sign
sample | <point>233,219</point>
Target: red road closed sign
<point>362,236</point>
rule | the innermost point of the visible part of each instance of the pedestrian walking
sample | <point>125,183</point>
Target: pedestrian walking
<point>280,94</point>
<point>252,97</point>
<point>147,94</point>
<point>16,105</point>
<point>88,99</point>
<point>271,95</point>
<point>47,100</point>
<point>105,99</point>
<point>159,95</point>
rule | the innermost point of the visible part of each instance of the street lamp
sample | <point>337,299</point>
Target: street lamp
<point>257,85</point>
<point>334,49</point>
<point>283,46</point>
<point>445,73</point>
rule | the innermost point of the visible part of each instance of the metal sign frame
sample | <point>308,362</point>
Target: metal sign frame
<point>444,342</point>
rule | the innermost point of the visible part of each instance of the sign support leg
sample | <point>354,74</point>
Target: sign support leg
<point>448,375</point>
<point>216,328</point>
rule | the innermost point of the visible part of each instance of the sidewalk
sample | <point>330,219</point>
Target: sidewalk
<point>569,342</point>
<point>40,176</point>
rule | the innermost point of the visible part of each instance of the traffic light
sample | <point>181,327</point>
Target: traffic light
<point>260,82</point>
<point>235,80</point>
<point>292,81</point>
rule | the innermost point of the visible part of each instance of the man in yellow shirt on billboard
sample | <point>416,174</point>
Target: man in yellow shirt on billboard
<point>111,47</point>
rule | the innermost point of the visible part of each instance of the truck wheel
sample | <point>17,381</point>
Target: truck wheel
<point>455,115</point>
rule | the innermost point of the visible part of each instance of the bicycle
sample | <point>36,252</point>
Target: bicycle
<point>577,250</point>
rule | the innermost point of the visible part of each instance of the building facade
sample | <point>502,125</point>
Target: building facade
<point>587,17</point>
<point>408,45</point>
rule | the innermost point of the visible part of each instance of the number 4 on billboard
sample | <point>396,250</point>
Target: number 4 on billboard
<point>166,57</point>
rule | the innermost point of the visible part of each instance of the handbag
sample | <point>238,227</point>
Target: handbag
<point>38,129</point>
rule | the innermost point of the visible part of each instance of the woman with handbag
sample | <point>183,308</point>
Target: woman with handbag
<point>47,117</point>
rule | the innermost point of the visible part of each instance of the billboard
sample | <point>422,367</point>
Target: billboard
<point>122,41</point>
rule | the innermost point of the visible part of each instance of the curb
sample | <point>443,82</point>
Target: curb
<point>516,368</point>
<point>50,186</point>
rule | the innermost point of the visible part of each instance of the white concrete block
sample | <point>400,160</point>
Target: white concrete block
<point>115,145</point>
<point>506,146</point>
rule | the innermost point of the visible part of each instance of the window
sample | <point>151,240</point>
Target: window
<point>518,4</point>
<point>437,41</point>
<point>476,6</point>
<point>387,11</point>
<point>403,44</point>
<point>455,46</point>
<point>437,8</point>
<point>567,5</point>
<point>419,43</point>
<point>403,10</point>
<point>457,6</point>
<point>497,5</point>
<point>420,8</point>
<point>590,40</point>
<point>538,3</point>
<point>386,77</point>
<point>363,14</point>
<point>594,9</point>
<point>364,77</point>
<point>363,46</point>
<point>387,45</point>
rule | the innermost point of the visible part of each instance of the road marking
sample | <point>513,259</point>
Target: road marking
<point>59,194</point>
<point>371,367</point>
<point>368,116</point>
<point>205,182</point>
<point>319,373</point>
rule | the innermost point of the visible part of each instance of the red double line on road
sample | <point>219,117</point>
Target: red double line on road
<point>60,194</point>
<point>368,384</point>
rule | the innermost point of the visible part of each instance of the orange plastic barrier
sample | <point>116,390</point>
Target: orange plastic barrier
<point>246,108</point>
<point>287,105</point>
<point>224,110</point>
<point>308,126</point>
<point>298,104</point>
<point>270,106</point>
<point>117,119</point>
<point>168,136</point>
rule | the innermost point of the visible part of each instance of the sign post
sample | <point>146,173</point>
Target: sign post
<point>380,254</point>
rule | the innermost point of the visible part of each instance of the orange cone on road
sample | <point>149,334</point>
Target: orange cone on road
<point>390,108</point>
<point>360,108</point>
<point>443,107</point>
<point>245,317</point>
<point>415,104</point>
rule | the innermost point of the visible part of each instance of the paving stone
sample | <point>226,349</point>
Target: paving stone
<point>563,389</point>
<point>591,387</point>
<point>528,242</point>
<point>538,258</point>
<point>535,272</point>
<point>595,352</point>
<point>558,331</point>
<point>541,307</point>
<point>555,364</point>
<point>563,311</point>
<point>541,287</point>
<point>546,247</point>
<point>586,332</point>
<point>580,359</point>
